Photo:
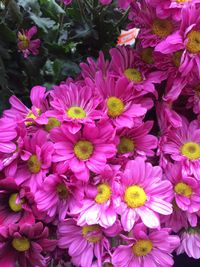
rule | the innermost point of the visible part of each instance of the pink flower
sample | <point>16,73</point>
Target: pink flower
<point>26,45</point>
<point>58,195</point>
<point>66,2</point>
<point>143,195</point>
<point>76,105</point>
<point>190,243</point>
<point>101,199</point>
<point>145,248</point>
<point>136,141</point>
<point>84,151</point>
<point>186,40</point>
<point>36,158</point>
<point>119,103</point>
<point>183,144</point>
<point>25,244</point>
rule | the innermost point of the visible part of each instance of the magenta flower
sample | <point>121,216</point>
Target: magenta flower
<point>76,105</point>
<point>143,195</point>
<point>66,2</point>
<point>36,158</point>
<point>25,244</point>
<point>26,45</point>
<point>84,151</point>
<point>146,248</point>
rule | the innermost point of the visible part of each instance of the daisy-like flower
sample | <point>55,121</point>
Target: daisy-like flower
<point>143,194</point>
<point>190,243</point>
<point>58,195</point>
<point>85,243</point>
<point>145,248</point>
<point>36,158</point>
<point>183,144</point>
<point>187,39</point>
<point>126,63</point>
<point>36,114</point>
<point>186,189</point>
<point>84,151</point>
<point>122,109</point>
<point>101,199</point>
<point>137,142</point>
<point>74,104</point>
<point>26,45</point>
<point>26,245</point>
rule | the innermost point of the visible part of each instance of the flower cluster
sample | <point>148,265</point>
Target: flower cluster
<point>104,170</point>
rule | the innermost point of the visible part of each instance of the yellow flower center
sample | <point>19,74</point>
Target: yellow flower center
<point>34,165</point>
<point>52,123</point>
<point>21,244</point>
<point>193,44</point>
<point>176,58</point>
<point>133,75</point>
<point>142,247</point>
<point>25,41</point>
<point>126,145</point>
<point>83,149</point>
<point>115,106</point>
<point>88,230</point>
<point>147,55</point>
<point>182,1</point>
<point>135,196</point>
<point>191,150</point>
<point>12,203</point>
<point>30,116</point>
<point>162,27</point>
<point>104,193</point>
<point>183,189</point>
<point>76,113</point>
<point>62,191</point>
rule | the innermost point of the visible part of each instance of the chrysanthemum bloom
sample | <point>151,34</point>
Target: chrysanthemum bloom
<point>25,244</point>
<point>186,188</point>
<point>26,45</point>
<point>183,144</point>
<point>16,204</point>
<point>101,199</point>
<point>152,28</point>
<point>76,105</point>
<point>122,109</point>
<point>143,194</point>
<point>84,151</point>
<point>171,8</point>
<point>127,63</point>
<point>190,243</point>
<point>145,248</point>
<point>186,39</point>
<point>36,159</point>
<point>85,243</point>
<point>36,114</point>
<point>137,142</point>
<point>58,195</point>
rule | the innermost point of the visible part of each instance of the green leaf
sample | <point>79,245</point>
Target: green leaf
<point>43,23</point>
<point>6,34</point>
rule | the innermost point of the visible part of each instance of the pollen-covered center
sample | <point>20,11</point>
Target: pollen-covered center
<point>176,58</point>
<point>115,106</point>
<point>25,42</point>
<point>83,149</point>
<point>183,189</point>
<point>92,233</point>
<point>193,44</point>
<point>133,75</point>
<point>147,55</point>
<point>21,244</point>
<point>62,191</point>
<point>182,1</point>
<point>191,150</point>
<point>104,193</point>
<point>34,165</point>
<point>126,145</point>
<point>142,248</point>
<point>52,123</point>
<point>76,113</point>
<point>30,115</point>
<point>135,196</point>
<point>162,27</point>
<point>12,202</point>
